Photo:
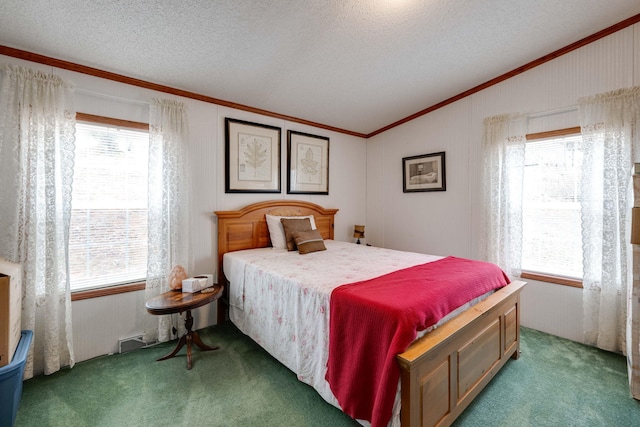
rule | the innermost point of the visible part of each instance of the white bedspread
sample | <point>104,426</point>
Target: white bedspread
<point>281,299</point>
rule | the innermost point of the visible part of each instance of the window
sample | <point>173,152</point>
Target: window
<point>108,233</point>
<point>552,235</point>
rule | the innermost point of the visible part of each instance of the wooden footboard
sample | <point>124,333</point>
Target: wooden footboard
<point>446,369</point>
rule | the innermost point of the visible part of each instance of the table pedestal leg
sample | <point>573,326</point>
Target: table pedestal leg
<point>188,338</point>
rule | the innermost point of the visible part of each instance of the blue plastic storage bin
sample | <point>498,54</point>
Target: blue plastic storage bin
<point>11,381</point>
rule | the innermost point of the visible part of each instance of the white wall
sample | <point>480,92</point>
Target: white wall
<point>447,223</point>
<point>100,322</point>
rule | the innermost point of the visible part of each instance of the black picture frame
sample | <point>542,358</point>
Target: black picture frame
<point>252,157</point>
<point>307,163</point>
<point>426,172</point>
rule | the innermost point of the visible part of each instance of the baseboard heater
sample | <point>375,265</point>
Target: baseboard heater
<point>133,343</point>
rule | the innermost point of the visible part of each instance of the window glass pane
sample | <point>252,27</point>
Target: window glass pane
<point>552,237</point>
<point>108,235</point>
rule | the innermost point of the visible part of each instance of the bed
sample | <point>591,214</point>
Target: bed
<point>441,372</point>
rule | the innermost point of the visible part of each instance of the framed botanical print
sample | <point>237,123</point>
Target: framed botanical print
<point>252,157</point>
<point>307,163</point>
<point>425,172</point>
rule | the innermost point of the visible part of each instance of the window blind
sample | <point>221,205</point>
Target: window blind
<point>552,236</point>
<point>108,234</point>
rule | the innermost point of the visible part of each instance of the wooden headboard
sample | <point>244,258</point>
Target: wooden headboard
<point>246,228</point>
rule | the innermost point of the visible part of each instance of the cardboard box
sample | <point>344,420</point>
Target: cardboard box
<point>10,309</point>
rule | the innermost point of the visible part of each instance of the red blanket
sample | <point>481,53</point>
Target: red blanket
<point>374,320</point>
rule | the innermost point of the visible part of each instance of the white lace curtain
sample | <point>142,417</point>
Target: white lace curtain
<point>609,126</point>
<point>168,217</point>
<point>37,137</point>
<point>503,172</point>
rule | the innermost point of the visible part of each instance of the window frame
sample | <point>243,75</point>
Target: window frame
<point>123,287</point>
<point>545,277</point>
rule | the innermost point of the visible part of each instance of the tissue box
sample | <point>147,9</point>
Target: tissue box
<point>209,278</point>
<point>194,284</point>
<point>10,309</point>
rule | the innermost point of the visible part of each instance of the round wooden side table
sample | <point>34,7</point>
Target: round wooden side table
<point>176,302</point>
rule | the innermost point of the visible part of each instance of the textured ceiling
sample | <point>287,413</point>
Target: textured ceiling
<point>354,65</point>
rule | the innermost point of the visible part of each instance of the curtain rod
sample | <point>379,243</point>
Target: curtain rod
<point>116,98</point>
<point>560,110</point>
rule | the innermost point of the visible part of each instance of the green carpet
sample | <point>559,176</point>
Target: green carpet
<point>555,383</point>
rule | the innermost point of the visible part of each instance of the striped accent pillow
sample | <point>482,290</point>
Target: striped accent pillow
<point>309,241</point>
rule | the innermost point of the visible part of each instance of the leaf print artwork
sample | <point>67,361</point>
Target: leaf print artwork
<point>254,155</point>
<point>309,164</point>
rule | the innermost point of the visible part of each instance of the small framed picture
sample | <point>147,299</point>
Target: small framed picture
<point>307,163</point>
<point>424,173</point>
<point>252,161</point>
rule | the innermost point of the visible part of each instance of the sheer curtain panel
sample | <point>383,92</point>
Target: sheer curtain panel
<point>37,125</point>
<point>168,208</point>
<point>503,148</point>
<point>609,127</point>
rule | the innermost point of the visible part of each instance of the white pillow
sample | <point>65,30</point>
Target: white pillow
<point>276,230</point>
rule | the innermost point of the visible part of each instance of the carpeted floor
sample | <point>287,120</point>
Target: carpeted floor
<point>555,383</point>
